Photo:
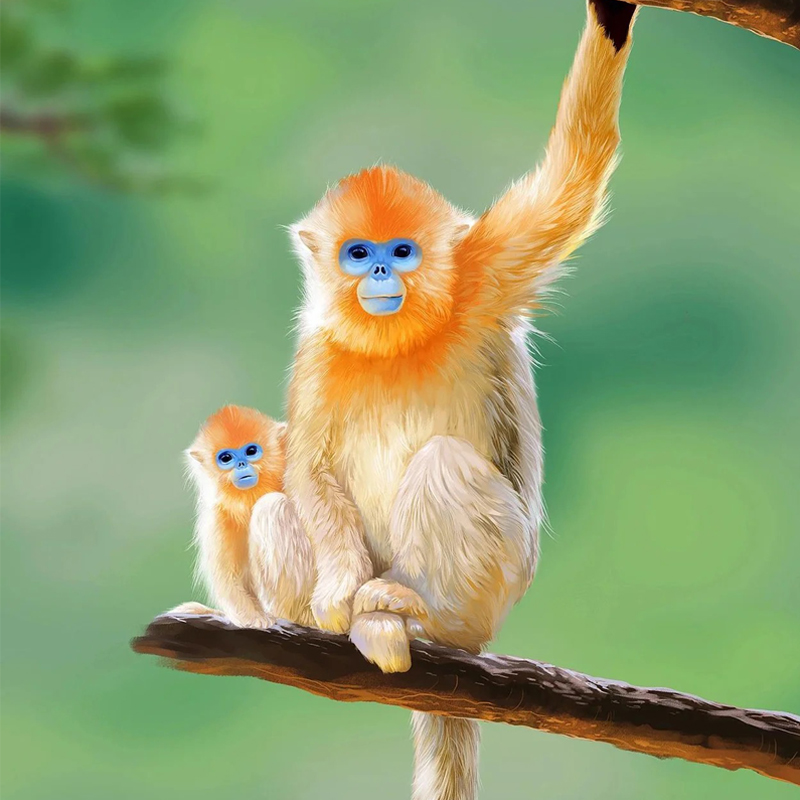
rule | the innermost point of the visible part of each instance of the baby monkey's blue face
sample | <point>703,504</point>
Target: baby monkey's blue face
<point>381,290</point>
<point>240,461</point>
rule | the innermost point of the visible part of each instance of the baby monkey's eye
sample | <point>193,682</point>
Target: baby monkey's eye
<point>225,457</point>
<point>358,252</point>
<point>402,251</point>
<point>253,451</point>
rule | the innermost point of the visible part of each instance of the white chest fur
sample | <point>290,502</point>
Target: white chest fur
<point>376,446</point>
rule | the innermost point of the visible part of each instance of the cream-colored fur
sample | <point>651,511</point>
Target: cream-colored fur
<point>281,560</point>
<point>274,583</point>
<point>446,757</point>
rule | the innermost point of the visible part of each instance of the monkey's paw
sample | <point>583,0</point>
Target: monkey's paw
<point>383,640</point>
<point>332,613</point>
<point>197,609</point>
<point>261,621</point>
<point>381,594</point>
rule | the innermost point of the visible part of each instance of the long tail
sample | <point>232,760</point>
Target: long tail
<point>445,757</point>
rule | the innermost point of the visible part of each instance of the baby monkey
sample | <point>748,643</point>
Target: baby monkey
<point>253,554</point>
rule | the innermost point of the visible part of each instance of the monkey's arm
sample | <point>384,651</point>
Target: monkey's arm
<point>224,567</point>
<point>331,519</point>
<point>281,559</point>
<point>515,246</point>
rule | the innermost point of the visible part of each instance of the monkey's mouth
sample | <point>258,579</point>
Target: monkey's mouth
<point>245,481</point>
<point>380,305</point>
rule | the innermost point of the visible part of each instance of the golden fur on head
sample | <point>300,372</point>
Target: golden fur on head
<point>379,204</point>
<point>234,427</point>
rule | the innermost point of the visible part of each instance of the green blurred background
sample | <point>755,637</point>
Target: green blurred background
<point>132,309</point>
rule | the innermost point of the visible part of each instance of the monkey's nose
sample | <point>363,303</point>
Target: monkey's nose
<point>380,273</point>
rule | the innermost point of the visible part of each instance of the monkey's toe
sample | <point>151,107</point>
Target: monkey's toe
<point>258,621</point>
<point>415,629</point>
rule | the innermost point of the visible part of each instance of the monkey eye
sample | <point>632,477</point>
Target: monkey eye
<point>253,452</point>
<point>356,256</point>
<point>406,254</point>
<point>358,252</point>
<point>225,459</point>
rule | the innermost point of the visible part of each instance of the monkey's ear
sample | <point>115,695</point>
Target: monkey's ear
<point>462,229</point>
<point>309,240</point>
<point>280,432</point>
<point>195,454</point>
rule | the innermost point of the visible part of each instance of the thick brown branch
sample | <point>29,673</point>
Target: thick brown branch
<point>776,19</point>
<point>659,722</point>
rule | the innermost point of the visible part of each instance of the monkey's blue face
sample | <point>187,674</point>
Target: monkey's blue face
<point>381,290</point>
<point>240,461</point>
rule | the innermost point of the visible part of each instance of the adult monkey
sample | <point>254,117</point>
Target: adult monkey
<point>414,453</point>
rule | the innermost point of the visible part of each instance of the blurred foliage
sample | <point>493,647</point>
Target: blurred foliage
<point>669,381</point>
<point>107,119</point>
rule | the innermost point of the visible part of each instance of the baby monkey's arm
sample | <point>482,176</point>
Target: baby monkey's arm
<point>225,568</point>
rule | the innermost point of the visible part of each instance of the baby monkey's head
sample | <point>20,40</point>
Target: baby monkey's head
<point>242,451</point>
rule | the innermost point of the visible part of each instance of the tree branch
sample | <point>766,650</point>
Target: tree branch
<point>42,125</point>
<point>659,722</point>
<point>776,19</point>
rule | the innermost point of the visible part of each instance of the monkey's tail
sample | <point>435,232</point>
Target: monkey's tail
<point>445,757</point>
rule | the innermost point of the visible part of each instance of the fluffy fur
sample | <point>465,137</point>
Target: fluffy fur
<point>253,554</point>
<point>415,455</point>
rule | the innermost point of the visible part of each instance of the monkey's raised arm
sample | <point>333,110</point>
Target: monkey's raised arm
<point>548,213</point>
<point>331,519</point>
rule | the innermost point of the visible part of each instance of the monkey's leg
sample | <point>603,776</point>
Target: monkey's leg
<point>461,540</point>
<point>281,559</point>
<point>462,543</point>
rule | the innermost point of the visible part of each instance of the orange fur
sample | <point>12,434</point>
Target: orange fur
<point>379,204</point>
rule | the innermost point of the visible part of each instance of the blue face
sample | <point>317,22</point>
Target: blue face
<point>240,461</point>
<point>381,290</point>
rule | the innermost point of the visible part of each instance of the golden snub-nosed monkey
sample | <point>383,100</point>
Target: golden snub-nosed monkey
<point>253,554</point>
<point>414,452</point>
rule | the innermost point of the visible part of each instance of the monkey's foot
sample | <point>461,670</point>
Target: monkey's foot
<point>251,619</point>
<point>381,594</point>
<point>383,640</point>
<point>195,608</point>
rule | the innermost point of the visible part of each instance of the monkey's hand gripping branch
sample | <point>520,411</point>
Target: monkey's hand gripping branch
<point>658,722</point>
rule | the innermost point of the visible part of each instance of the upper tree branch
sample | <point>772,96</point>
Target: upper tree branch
<point>659,722</point>
<point>777,19</point>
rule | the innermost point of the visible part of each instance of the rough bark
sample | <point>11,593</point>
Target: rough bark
<point>776,19</point>
<point>659,722</point>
